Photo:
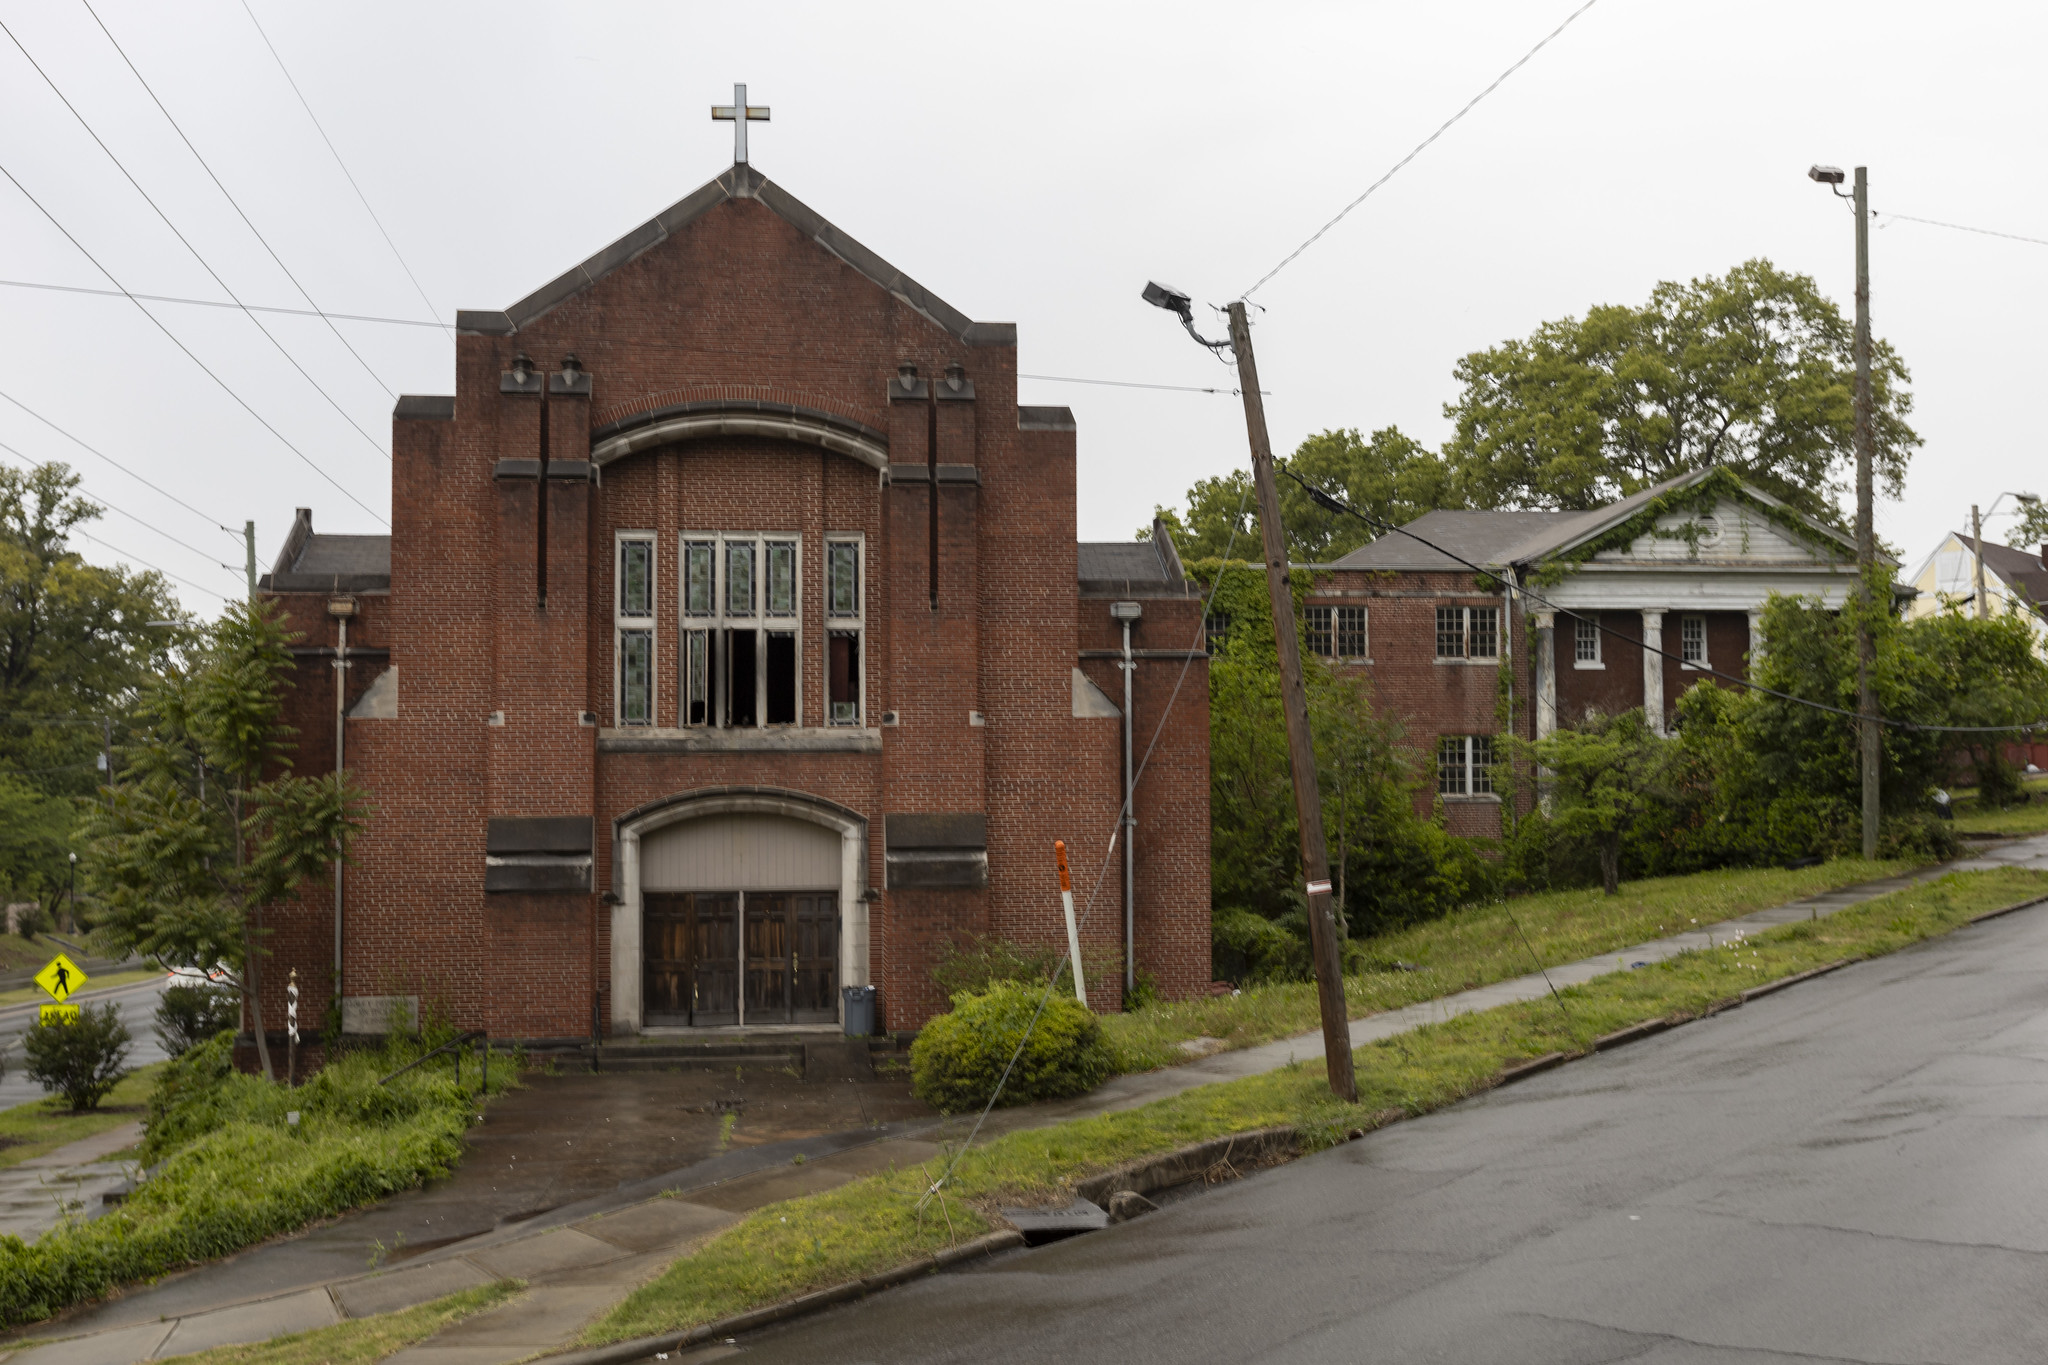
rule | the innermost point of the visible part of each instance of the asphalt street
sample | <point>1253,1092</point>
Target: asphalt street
<point>137,1003</point>
<point>1855,1169</point>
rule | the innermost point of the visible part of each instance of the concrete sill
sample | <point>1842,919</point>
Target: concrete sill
<point>1476,799</point>
<point>1461,663</point>
<point>837,739</point>
<point>1580,663</point>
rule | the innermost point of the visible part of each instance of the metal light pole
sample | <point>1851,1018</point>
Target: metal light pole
<point>1301,754</point>
<point>1866,543</point>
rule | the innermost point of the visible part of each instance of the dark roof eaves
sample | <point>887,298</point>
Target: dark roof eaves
<point>761,405</point>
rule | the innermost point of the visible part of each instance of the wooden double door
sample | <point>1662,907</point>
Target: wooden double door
<point>740,957</point>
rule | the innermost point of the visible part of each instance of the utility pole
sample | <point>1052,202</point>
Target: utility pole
<point>1977,552</point>
<point>1866,541</point>
<point>249,541</point>
<point>1308,801</point>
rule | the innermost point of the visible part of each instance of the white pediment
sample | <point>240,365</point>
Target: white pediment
<point>1732,533</point>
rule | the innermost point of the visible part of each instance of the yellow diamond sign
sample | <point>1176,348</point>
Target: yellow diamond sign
<point>61,978</point>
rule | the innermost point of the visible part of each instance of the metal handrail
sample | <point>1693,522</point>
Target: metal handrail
<point>476,1035</point>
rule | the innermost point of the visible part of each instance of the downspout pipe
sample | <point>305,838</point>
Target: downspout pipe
<point>1126,613</point>
<point>341,609</point>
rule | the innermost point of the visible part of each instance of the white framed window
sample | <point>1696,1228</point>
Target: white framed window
<point>633,565</point>
<point>1586,642</point>
<point>1468,633</point>
<point>742,634</point>
<point>1692,641</point>
<point>1335,632</point>
<point>845,629</point>
<point>1464,765</point>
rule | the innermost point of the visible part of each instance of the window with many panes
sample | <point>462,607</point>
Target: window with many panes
<point>741,644</point>
<point>1585,640</point>
<point>1468,632</point>
<point>1335,632</point>
<point>1692,640</point>
<point>633,629</point>
<point>845,629</point>
<point>1464,765</point>
<point>1216,631</point>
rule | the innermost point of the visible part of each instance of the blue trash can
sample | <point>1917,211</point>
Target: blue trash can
<point>859,1008</point>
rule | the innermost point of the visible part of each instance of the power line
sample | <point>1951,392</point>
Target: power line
<point>282,438</point>
<point>186,243</point>
<point>1333,503</point>
<point>146,525</point>
<point>360,196</point>
<point>1117,383</point>
<point>1420,147</point>
<point>217,303</point>
<point>115,549</point>
<point>1962,227</point>
<point>207,517</point>
<point>231,200</point>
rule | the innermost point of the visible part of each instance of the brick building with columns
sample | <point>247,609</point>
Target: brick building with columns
<point>732,645</point>
<point>1620,607</point>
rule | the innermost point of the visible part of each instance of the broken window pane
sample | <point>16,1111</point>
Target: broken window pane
<point>781,677</point>
<point>696,677</point>
<point>843,677</point>
<point>740,676</point>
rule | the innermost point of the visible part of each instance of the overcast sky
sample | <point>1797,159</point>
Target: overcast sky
<point>1034,163</point>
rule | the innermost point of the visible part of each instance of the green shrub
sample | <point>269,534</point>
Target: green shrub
<point>958,1057</point>
<point>233,1172</point>
<point>80,1060</point>
<point>187,1016</point>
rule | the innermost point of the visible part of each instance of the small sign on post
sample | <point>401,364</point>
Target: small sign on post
<point>58,1014</point>
<point>1059,851</point>
<point>60,978</point>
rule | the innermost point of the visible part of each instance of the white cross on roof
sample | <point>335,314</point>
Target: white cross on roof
<point>740,112</point>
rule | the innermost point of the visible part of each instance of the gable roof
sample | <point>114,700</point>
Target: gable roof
<point>1521,538</point>
<point>741,182</point>
<point>2022,571</point>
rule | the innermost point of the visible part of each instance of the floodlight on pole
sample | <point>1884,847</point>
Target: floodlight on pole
<point>1826,175</point>
<point>1181,306</point>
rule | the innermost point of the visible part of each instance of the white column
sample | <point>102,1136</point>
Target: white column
<point>1756,642</point>
<point>853,909</point>
<point>1653,670</point>
<point>626,1003</point>
<point>1546,673</point>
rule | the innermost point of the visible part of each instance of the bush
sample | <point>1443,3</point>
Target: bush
<point>80,1060</point>
<point>977,961</point>
<point>958,1057</point>
<point>233,1173</point>
<point>190,1015</point>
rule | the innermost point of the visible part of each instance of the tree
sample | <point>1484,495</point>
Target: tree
<point>75,647</point>
<point>1985,674</point>
<point>1390,476</point>
<point>80,1060</point>
<point>1603,776</point>
<point>207,825</point>
<point>1752,370</point>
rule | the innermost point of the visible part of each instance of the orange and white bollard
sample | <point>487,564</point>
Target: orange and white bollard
<point>1059,851</point>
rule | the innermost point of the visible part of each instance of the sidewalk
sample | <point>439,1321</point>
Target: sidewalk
<point>582,1259</point>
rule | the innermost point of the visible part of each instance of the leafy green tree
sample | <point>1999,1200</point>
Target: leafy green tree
<point>1985,673</point>
<point>75,647</point>
<point>1603,776</point>
<point>81,1060</point>
<point>1752,370</point>
<point>1390,476</point>
<point>2030,532</point>
<point>207,825</point>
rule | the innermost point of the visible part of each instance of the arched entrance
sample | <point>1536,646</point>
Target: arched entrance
<point>737,906</point>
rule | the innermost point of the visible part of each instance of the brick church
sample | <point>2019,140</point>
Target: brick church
<point>732,645</point>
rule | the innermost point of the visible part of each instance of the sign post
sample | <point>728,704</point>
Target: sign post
<point>1059,851</point>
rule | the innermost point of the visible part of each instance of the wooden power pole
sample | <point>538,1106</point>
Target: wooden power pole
<point>1866,541</point>
<point>1301,754</point>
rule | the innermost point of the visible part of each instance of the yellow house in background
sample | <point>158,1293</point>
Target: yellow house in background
<point>2015,583</point>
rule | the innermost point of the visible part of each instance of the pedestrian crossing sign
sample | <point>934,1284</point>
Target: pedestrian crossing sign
<point>60,978</point>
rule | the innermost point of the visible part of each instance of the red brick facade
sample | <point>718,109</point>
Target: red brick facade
<point>736,368</point>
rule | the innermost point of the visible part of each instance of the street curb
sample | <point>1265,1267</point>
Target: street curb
<point>2023,905</point>
<point>1769,987</point>
<point>1185,1165</point>
<point>641,1348</point>
<point>1523,1070</point>
<point>1646,1029</point>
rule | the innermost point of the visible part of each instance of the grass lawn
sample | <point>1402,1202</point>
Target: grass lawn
<point>363,1340</point>
<point>42,1126</point>
<point>1476,946</point>
<point>17,952</point>
<point>873,1224</point>
<point>2030,818</point>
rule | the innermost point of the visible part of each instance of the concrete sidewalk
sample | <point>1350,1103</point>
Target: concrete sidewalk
<point>582,1260</point>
